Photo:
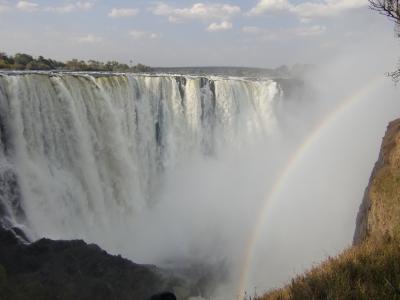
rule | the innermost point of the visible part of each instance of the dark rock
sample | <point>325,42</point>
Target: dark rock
<point>181,81</point>
<point>73,270</point>
<point>164,296</point>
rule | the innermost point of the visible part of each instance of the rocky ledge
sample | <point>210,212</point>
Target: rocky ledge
<point>74,270</point>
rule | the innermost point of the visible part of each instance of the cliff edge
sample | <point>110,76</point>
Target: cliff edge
<point>370,269</point>
<point>379,214</point>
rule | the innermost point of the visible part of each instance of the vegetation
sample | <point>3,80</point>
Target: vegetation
<point>390,9</point>
<point>368,271</point>
<point>22,61</point>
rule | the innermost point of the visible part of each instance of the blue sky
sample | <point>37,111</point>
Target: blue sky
<point>262,33</point>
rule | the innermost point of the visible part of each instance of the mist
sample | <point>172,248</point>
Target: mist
<point>208,207</point>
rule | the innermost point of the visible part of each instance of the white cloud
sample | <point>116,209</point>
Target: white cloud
<point>32,7</point>
<point>327,8</point>
<point>268,34</point>
<point>223,26</point>
<point>89,39</point>
<point>307,9</point>
<point>269,5</point>
<point>71,7</point>
<point>139,34</point>
<point>83,5</point>
<point>162,9</point>
<point>123,12</point>
<point>199,11</point>
<point>27,6</point>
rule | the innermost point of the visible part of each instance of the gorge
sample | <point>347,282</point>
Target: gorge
<point>169,170</point>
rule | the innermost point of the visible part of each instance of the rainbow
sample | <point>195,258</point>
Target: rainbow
<point>289,167</point>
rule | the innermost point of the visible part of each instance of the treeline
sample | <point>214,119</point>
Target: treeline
<point>22,61</point>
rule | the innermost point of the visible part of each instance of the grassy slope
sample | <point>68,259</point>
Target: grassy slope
<point>367,271</point>
<point>370,269</point>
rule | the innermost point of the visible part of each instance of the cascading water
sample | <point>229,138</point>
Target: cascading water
<point>84,155</point>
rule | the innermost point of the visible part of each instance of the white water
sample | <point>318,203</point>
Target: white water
<point>91,154</point>
<point>173,170</point>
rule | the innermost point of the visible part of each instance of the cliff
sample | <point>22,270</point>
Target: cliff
<point>371,268</point>
<point>379,215</point>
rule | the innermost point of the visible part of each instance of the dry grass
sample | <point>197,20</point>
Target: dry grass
<point>368,271</point>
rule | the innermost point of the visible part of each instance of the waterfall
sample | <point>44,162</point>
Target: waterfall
<point>82,155</point>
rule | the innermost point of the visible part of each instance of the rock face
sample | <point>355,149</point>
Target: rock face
<point>164,296</point>
<point>379,214</point>
<point>75,270</point>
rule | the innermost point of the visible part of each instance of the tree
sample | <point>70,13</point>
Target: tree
<point>76,65</point>
<point>22,59</point>
<point>141,68</point>
<point>37,65</point>
<point>4,61</point>
<point>390,9</point>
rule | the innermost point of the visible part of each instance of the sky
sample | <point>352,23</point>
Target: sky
<point>255,33</point>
